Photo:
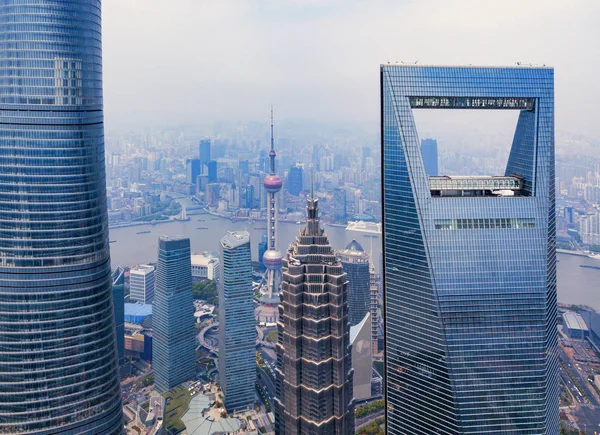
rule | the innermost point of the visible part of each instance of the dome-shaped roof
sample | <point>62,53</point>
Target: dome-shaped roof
<point>355,246</point>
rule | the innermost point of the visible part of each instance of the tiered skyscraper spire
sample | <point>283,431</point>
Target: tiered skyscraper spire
<point>272,257</point>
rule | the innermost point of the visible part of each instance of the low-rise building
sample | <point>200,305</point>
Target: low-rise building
<point>574,326</point>
<point>205,266</point>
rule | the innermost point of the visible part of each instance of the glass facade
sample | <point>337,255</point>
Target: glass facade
<point>470,279</point>
<point>173,341</point>
<point>237,326</point>
<point>58,356</point>
<point>356,263</point>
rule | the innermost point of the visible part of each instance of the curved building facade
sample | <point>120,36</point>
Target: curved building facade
<point>356,264</point>
<point>58,362</point>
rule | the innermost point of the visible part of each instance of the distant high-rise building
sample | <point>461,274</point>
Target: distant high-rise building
<point>141,284</point>
<point>237,327</point>
<point>339,205</point>
<point>262,248</point>
<point>272,257</point>
<point>250,198</point>
<point>212,171</point>
<point>244,168</point>
<point>470,266</point>
<point>366,153</point>
<point>355,263</point>
<point>173,342</point>
<point>314,377</point>
<point>204,151</point>
<point>193,170</point>
<point>59,362</point>
<point>569,215</point>
<point>294,180</point>
<point>429,151</point>
<point>263,161</point>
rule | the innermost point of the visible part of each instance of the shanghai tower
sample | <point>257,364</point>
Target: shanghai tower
<point>58,362</point>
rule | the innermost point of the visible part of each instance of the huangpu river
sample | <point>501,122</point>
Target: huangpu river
<point>139,244</point>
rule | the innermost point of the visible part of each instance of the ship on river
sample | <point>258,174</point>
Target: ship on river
<point>364,227</point>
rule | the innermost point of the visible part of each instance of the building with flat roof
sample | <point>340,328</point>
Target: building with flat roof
<point>205,266</point>
<point>237,327</point>
<point>470,262</point>
<point>574,326</point>
<point>141,284</point>
<point>136,313</point>
<point>173,352</point>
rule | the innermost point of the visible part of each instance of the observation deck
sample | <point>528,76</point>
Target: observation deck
<point>479,185</point>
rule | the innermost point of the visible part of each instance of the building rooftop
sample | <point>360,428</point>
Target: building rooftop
<point>235,239</point>
<point>517,65</point>
<point>138,309</point>
<point>141,268</point>
<point>203,260</point>
<point>355,246</point>
<point>575,321</point>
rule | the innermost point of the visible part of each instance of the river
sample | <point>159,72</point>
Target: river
<point>576,285</point>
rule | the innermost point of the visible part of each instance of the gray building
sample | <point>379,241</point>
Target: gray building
<point>340,211</point>
<point>314,376</point>
<point>141,284</point>
<point>356,264</point>
<point>173,351</point>
<point>362,363</point>
<point>58,358</point>
<point>294,180</point>
<point>237,327</point>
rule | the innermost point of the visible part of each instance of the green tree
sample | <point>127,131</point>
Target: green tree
<point>206,291</point>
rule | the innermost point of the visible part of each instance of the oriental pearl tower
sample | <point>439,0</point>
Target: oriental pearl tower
<point>272,257</point>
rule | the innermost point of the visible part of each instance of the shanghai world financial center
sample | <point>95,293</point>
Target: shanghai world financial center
<point>470,296</point>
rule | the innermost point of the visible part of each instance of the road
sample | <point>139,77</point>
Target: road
<point>266,382</point>
<point>360,422</point>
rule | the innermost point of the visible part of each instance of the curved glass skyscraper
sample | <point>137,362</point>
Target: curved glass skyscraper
<point>58,363</point>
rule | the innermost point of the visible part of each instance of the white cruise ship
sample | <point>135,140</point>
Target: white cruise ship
<point>364,227</point>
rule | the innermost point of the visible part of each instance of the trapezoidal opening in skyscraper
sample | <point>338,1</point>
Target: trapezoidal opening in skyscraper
<point>465,142</point>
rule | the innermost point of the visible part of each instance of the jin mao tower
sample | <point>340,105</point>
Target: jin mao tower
<point>314,375</point>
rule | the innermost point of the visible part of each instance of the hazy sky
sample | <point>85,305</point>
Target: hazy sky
<point>200,61</point>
